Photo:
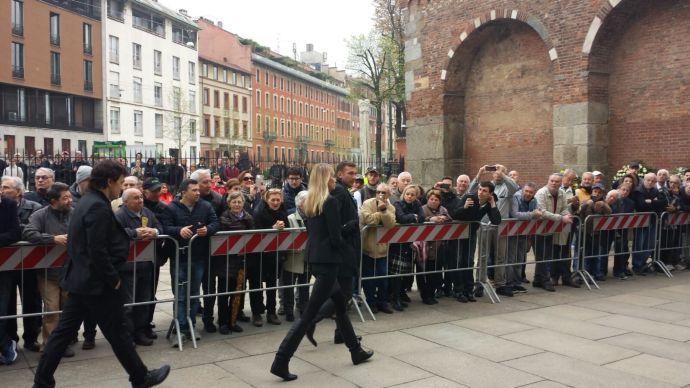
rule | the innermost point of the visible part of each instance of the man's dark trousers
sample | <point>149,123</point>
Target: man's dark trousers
<point>108,310</point>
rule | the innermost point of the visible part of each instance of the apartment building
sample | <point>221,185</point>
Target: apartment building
<point>50,76</point>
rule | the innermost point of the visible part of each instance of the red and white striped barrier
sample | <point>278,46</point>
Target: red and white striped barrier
<point>239,244</point>
<point>412,233</point>
<point>622,221</point>
<point>531,228</point>
<point>53,256</point>
<point>678,219</point>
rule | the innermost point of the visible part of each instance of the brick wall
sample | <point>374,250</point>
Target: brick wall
<point>563,82</point>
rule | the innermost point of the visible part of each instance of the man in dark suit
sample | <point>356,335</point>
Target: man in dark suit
<point>97,247</point>
<point>346,173</point>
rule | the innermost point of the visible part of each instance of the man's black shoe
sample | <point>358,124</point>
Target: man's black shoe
<point>548,286</point>
<point>397,306</point>
<point>405,298</point>
<point>281,369</point>
<point>385,309</point>
<point>461,298</point>
<point>142,339</point>
<point>155,377</point>
<point>242,318</point>
<point>360,355</point>
<point>505,291</point>
<point>479,292</point>
<point>32,347</point>
<point>209,327</point>
<point>470,297</point>
<point>149,333</point>
<point>519,290</point>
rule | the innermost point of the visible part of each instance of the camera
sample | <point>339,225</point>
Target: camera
<point>444,186</point>
<point>491,168</point>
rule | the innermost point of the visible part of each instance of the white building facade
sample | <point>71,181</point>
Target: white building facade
<point>151,77</point>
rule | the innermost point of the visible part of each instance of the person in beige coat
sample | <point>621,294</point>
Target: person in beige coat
<point>377,211</point>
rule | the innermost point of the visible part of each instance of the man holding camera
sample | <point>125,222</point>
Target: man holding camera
<point>504,189</point>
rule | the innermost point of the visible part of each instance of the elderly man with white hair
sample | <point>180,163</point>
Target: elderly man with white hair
<point>140,223</point>
<point>462,184</point>
<point>43,180</point>
<point>404,179</point>
<point>130,182</point>
<point>647,199</point>
<point>662,178</point>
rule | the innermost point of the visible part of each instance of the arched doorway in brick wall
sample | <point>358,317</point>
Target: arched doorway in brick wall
<point>639,66</point>
<point>498,100</point>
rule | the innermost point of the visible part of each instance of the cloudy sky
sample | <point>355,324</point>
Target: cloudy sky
<point>280,23</point>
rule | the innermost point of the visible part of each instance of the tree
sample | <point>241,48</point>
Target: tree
<point>180,120</point>
<point>368,59</point>
<point>388,21</point>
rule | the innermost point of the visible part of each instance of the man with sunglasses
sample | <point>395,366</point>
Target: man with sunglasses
<point>43,180</point>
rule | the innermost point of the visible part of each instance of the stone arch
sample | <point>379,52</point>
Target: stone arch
<point>637,61</point>
<point>498,97</point>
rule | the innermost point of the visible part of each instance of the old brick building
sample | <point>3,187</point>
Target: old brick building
<point>539,85</point>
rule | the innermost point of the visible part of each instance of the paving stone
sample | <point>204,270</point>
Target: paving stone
<point>645,326</point>
<point>657,368</point>
<point>468,370</point>
<point>545,384</point>
<point>637,300</point>
<point>255,369</point>
<point>436,382</point>
<point>577,328</point>
<point>573,312</point>
<point>494,325</point>
<point>571,346</point>
<point>16,377</point>
<point>633,311</point>
<point>473,342</point>
<point>679,307</point>
<point>643,343</point>
<point>394,343</point>
<point>576,373</point>
<point>379,371</point>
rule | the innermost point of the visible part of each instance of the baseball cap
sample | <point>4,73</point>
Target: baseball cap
<point>634,164</point>
<point>83,173</point>
<point>595,173</point>
<point>359,177</point>
<point>152,184</point>
<point>372,169</point>
<point>598,186</point>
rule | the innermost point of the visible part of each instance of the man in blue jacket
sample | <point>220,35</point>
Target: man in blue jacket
<point>9,234</point>
<point>188,216</point>
<point>97,247</point>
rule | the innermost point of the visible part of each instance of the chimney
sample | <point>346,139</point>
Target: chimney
<point>183,12</point>
<point>220,24</point>
<point>310,47</point>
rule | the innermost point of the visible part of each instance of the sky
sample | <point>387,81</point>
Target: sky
<point>280,23</point>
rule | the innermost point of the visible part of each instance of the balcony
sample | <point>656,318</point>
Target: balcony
<point>18,72</point>
<point>116,14</point>
<point>55,79</point>
<point>303,139</point>
<point>55,40</point>
<point>270,136</point>
<point>88,49</point>
<point>17,29</point>
<point>88,85</point>
<point>329,143</point>
<point>114,57</point>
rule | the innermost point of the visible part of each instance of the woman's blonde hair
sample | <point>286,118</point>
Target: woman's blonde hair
<point>411,187</point>
<point>235,195</point>
<point>318,189</point>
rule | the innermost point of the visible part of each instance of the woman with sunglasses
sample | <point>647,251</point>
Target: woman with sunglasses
<point>325,246</point>
<point>249,190</point>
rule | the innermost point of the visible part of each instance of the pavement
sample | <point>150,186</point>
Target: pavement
<point>633,333</point>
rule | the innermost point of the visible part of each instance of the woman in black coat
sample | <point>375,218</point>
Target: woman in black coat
<point>264,267</point>
<point>400,261</point>
<point>325,245</point>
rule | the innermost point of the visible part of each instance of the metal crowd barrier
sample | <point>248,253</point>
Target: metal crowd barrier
<point>253,248</point>
<point>454,260</point>
<point>600,232</point>
<point>673,238</point>
<point>37,258</point>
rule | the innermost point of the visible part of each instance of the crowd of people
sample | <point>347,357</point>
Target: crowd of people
<point>206,201</point>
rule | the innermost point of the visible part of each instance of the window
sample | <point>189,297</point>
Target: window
<point>114,84</point>
<point>54,68</point>
<point>282,104</point>
<point>258,76</point>
<point>149,22</point>
<point>234,78</point>
<point>116,10</point>
<point>88,49</point>
<point>216,127</point>
<point>226,100</point>
<point>204,70</point>
<point>192,101</point>
<point>192,72</point>
<point>114,49</point>
<point>158,94</point>
<point>157,62</point>
<point>184,35</point>
<point>206,128</point>
<point>136,56</point>
<point>176,68</point>
<point>274,81</point>
<point>258,151</point>
<point>115,120</point>
<point>54,29</point>
<point>268,101</point>
<point>158,123</point>
<point>177,102</point>
<point>216,99</point>
<point>258,124</point>
<point>136,90</point>
<point>17,60</point>
<point>17,17</point>
<point>245,126</point>
<point>215,72</point>
<point>205,97</point>
<point>88,75</point>
<point>235,103</point>
<point>275,102</point>
<point>192,130</point>
<point>258,98</point>
<point>138,123</point>
<point>244,104</point>
<point>225,75</point>
<point>236,129</point>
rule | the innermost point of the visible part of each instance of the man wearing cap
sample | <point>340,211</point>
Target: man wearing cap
<point>585,191</point>
<point>368,191</point>
<point>358,184</point>
<point>596,243</point>
<point>632,169</point>
<point>81,184</point>
<point>598,177</point>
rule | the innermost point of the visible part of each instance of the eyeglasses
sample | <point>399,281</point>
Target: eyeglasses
<point>42,177</point>
<point>247,178</point>
<point>381,192</point>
